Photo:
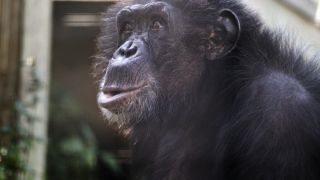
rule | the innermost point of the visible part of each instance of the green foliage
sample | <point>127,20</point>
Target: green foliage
<point>73,152</point>
<point>17,140</point>
<point>74,156</point>
<point>111,162</point>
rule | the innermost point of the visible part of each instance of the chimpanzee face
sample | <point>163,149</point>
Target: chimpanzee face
<point>158,59</point>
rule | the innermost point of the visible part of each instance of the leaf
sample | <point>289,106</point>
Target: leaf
<point>111,162</point>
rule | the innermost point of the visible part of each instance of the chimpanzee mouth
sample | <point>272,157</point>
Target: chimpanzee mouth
<point>115,98</point>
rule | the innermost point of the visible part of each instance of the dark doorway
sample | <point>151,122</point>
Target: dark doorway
<point>81,145</point>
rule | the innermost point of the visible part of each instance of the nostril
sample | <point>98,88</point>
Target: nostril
<point>132,51</point>
<point>127,50</point>
<point>122,52</point>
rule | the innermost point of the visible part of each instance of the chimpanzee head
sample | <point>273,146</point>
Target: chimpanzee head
<point>154,55</point>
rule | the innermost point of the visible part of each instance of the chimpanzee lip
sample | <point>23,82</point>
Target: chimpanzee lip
<point>113,98</point>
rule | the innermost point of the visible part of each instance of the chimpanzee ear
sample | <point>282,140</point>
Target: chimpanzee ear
<point>224,35</point>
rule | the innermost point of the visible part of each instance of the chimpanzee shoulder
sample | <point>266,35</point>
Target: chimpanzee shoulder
<point>276,123</point>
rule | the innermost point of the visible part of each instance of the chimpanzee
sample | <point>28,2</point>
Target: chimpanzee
<point>208,92</point>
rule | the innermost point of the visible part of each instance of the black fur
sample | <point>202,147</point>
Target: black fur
<point>251,115</point>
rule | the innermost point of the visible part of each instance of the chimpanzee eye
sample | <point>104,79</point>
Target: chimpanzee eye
<point>127,28</point>
<point>157,25</point>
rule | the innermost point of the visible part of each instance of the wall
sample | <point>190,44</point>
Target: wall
<point>277,15</point>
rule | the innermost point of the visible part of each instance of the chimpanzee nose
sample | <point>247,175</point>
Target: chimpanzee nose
<point>127,50</point>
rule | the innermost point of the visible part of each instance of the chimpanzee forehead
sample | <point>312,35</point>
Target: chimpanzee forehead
<point>153,5</point>
<point>142,11</point>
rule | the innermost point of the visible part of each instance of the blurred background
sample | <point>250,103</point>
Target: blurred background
<point>50,126</point>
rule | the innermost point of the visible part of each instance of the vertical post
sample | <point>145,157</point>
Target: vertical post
<point>36,46</point>
<point>10,26</point>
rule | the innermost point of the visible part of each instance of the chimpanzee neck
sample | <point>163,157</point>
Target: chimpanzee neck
<point>155,140</point>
